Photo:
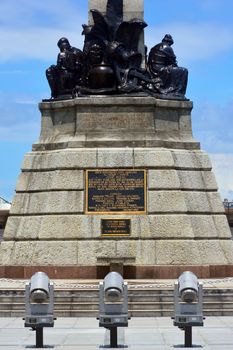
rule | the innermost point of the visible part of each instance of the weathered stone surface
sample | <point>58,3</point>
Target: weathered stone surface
<point>66,227</point>
<point>48,202</point>
<point>197,180</point>
<point>166,202</point>
<point>222,226</point>
<point>181,179</point>
<point>64,159</point>
<point>166,226</point>
<point>63,227</point>
<point>125,248</point>
<point>167,121</point>
<point>162,252</point>
<point>163,179</point>
<point>115,158</point>
<point>90,251</point>
<point>58,125</point>
<point>203,226</point>
<point>51,180</point>
<point>115,121</point>
<point>210,226</point>
<point>44,253</point>
<point>185,222</point>
<point>203,202</point>
<point>191,159</point>
<point>106,158</point>
<point>173,252</point>
<point>211,252</point>
<point>143,251</point>
<point>23,228</point>
<point>133,9</point>
<point>215,202</point>
<point>149,157</point>
<point>6,250</point>
<point>227,247</point>
<point>193,252</point>
<point>124,119</point>
<point>142,157</point>
<point>185,122</point>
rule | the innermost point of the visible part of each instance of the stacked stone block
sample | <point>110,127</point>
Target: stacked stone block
<point>185,221</point>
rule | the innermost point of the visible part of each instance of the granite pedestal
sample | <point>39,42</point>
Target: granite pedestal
<point>184,226</point>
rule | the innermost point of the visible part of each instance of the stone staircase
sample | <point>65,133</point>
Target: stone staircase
<point>144,301</point>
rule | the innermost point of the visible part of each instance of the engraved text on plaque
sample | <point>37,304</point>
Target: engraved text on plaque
<point>116,190</point>
<point>115,227</point>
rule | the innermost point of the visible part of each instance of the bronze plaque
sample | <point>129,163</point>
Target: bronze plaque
<point>115,227</point>
<point>116,191</point>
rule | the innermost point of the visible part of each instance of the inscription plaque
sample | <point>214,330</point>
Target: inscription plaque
<point>116,191</point>
<point>115,227</point>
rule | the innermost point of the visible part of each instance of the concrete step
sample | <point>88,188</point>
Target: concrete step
<point>132,313</point>
<point>132,306</point>
<point>150,302</point>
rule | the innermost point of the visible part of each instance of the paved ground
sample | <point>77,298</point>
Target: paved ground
<point>142,334</point>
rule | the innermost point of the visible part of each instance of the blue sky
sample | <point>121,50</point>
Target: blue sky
<point>203,34</point>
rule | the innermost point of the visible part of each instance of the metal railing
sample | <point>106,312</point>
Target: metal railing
<point>228,207</point>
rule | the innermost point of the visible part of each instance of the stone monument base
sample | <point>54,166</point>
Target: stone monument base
<point>184,225</point>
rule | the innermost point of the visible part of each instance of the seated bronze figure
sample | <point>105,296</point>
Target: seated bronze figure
<point>66,74</point>
<point>162,64</point>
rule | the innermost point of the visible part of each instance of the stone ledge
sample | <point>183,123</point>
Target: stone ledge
<point>49,146</point>
<point>137,157</point>
<point>117,100</point>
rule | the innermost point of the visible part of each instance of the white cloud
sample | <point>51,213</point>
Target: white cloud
<point>38,43</point>
<point>223,169</point>
<point>24,132</point>
<point>194,41</point>
<point>22,13</point>
<point>33,27</point>
<point>26,101</point>
<point>212,126</point>
<point>20,118</point>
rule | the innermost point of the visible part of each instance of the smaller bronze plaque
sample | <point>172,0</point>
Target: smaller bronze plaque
<point>115,227</point>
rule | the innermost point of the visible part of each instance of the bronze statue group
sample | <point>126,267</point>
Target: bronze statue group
<point>110,62</point>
